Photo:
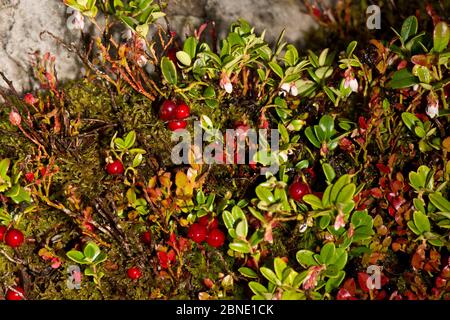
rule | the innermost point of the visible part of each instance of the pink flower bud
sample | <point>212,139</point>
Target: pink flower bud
<point>29,98</point>
<point>15,118</point>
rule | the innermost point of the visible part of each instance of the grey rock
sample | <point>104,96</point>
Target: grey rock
<point>23,21</point>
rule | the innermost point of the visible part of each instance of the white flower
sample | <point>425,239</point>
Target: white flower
<point>433,106</point>
<point>141,61</point>
<point>225,83</point>
<point>75,21</point>
<point>339,222</point>
<point>290,88</point>
<point>351,83</point>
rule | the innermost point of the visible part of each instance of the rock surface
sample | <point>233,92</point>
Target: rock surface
<point>22,21</point>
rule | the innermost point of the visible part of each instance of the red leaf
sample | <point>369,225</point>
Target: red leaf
<point>362,281</point>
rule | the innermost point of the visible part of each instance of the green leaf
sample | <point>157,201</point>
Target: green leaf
<point>190,47</point>
<point>329,172</point>
<point>324,221</point>
<point>242,228</point>
<point>337,187</point>
<point>277,69</point>
<point>184,58</point>
<point>264,194</point>
<point>240,246</point>
<point>18,194</point>
<point>409,28</point>
<point>440,202</point>
<point>247,272</point>
<point>334,283</point>
<point>257,214</point>
<point>169,70</point>
<point>346,193</point>
<point>270,275</point>
<point>422,222</point>
<point>76,256</point>
<point>209,92</point>
<point>91,251</point>
<point>350,48</point>
<point>257,288</point>
<point>4,166</point>
<point>441,37</point>
<point>228,219</point>
<point>326,123</point>
<point>419,205</point>
<point>313,201</point>
<point>312,137</point>
<point>402,79</point>
<point>100,258</point>
<point>413,227</point>
<point>306,258</point>
<point>137,160</point>
<point>279,266</point>
<point>130,139</point>
<point>410,120</point>
<point>327,252</point>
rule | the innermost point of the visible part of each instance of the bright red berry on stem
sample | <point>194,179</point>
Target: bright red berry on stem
<point>115,167</point>
<point>29,98</point>
<point>146,237</point>
<point>177,124</point>
<point>13,295</point>
<point>2,232</point>
<point>167,110</point>
<point>134,273</point>
<point>197,232</point>
<point>14,238</point>
<point>297,190</point>
<point>216,238</point>
<point>29,176</point>
<point>182,111</point>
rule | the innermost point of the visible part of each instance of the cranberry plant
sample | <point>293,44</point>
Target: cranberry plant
<point>86,173</point>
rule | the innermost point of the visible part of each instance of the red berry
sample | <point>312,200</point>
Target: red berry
<point>14,238</point>
<point>115,167</point>
<point>177,124</point>
<point>213,224</point>
<point>182,112</point>
<point>134,273</point>
<point>2,232</point>
<point>29,98</point>
<point>204,221</point>
<point>208,222</point>
<point>197,233</point>
<point>29,176</point>
<point>297,190</point>
<point>13,295</point>
<point>216,238</point>
<point>172,55</point>
<point>146,237</point>
<point>167,111</point>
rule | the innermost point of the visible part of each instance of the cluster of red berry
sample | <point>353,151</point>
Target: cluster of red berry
<point>13,238</point>
<point>207,229</point>
<point>175,114</point>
